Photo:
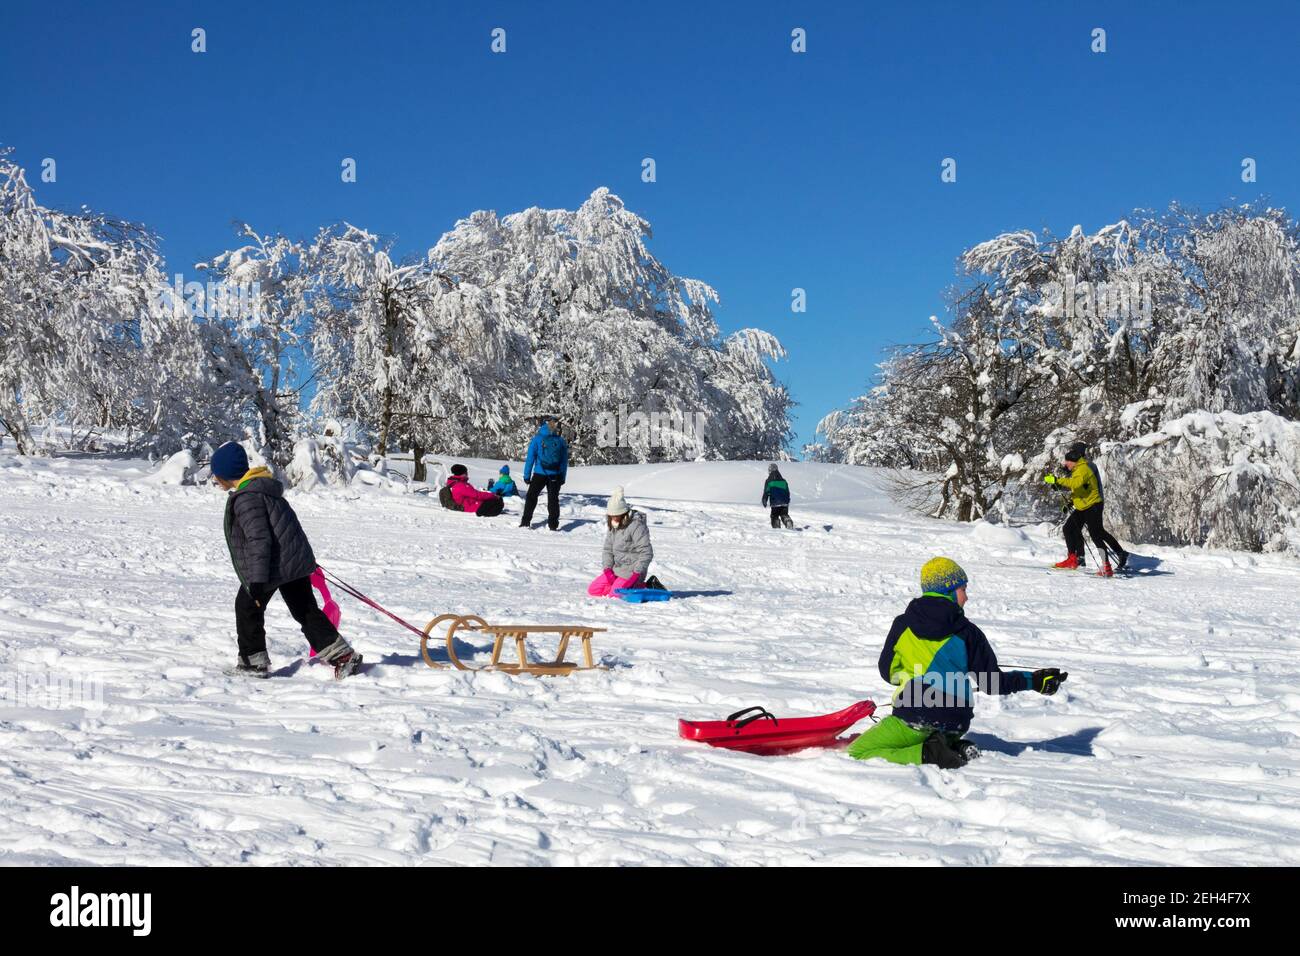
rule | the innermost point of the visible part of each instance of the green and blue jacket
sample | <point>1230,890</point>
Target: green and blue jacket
<point>931,653</point>
<point>775,491</point>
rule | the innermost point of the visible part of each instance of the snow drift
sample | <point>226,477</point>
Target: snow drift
<point>1174,741</point>
<point>1222,479</point>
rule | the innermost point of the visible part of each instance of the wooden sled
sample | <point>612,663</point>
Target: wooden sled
<point>519,633</point>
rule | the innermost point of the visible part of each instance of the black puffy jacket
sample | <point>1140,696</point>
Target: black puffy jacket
<point>267,544</point>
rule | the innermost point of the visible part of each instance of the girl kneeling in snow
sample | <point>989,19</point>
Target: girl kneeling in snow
<point>627,552</point>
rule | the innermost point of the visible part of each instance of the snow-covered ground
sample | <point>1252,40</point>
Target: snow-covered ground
<point>1174,741</point>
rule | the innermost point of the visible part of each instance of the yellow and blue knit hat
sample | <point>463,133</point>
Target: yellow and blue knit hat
<point>942,575</point>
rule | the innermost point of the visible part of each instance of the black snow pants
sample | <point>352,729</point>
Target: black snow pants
<point>535,485</point>
<point>780,515</point>
<point>250,617</point>
<point>1090,518</point>
<point>490,509</point>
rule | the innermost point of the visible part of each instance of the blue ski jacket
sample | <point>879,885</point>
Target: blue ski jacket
<point>533,461</point>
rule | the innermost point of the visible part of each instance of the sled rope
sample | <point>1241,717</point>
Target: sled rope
<point>370,602</point>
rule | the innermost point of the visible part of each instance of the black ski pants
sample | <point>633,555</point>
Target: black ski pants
<point>250,615</point>
<point>535,485</point>
<point>1090,518</point>
<point>490,509</point>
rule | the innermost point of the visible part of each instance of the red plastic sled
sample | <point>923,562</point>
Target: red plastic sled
<point>755,731</point>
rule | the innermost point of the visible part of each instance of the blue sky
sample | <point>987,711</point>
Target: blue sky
<point>775,170</point>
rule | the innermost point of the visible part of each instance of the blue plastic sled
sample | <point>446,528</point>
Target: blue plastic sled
<point>641,595</point>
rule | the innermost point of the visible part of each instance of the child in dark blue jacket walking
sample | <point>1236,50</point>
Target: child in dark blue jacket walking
<point>271,553</point>
<point>776,493</point>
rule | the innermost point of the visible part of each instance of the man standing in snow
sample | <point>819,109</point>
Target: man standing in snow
<point>270,552</point>
<point>1084,486</point>
<point>931,652</point>
<point>776,492</point>
<point>546,466</point>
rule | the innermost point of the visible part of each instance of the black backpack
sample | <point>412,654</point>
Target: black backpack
<point>446,500</point>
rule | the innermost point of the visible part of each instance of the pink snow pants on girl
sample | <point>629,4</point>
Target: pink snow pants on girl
<point>607,583</point>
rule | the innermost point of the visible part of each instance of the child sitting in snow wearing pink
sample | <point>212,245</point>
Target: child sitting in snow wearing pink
<point>475,502</point>
<point>627,553</point>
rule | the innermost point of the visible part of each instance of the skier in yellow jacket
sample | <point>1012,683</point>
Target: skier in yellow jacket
<point>1084,486</point>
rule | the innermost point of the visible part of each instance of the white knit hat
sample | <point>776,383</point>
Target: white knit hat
<point>617,506</point>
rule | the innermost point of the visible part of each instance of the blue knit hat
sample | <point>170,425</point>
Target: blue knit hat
<point>505,470</point>
<point>942,575</point>
<point>230,461</point>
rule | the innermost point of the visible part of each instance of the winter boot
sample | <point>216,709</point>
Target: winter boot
<point>1069,564</point>
<point>341,657</point>
<point>254,665</point>
<point>788,522</point>
<point>937,751</point>
<point>346,665</point>
<point>1106,571</point>
<point>966,750</point>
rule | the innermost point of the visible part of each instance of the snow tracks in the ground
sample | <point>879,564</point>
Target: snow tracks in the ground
<point>1174,740</point>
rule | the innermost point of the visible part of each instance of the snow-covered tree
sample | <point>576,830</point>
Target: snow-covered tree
<point>1240,337</point>
<point>1090,336</point>
<point>613,334</point>
<point>72,289</point>
<point>260,310</point>
<point>406,350</point>
<point>878,429</point>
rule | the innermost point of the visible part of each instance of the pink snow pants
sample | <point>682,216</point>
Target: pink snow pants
<point>607,583</point>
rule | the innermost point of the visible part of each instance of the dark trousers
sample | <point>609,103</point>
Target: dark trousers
<point>250,617</point>
<point>490,509</point>
<point>535,485</point>
<point>1090,518</point>
<point>778,513</point>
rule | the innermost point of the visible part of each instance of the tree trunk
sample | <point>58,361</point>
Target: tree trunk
<point>22,437</point>
<point>11,417</point>
<point>420,473</point>
<point>386,416</point>
<point>385,422</point>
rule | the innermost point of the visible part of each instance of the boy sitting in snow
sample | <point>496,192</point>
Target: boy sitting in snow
<point>271,553</point>
<point>930,653</point>
<point>504,485</point>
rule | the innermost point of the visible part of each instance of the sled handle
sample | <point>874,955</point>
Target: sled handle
<point>762,714</point>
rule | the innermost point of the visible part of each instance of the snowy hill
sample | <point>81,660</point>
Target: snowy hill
<point>1174,741</point>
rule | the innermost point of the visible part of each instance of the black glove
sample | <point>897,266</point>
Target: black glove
<point>1049,680</point>
<point>260,592</point>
